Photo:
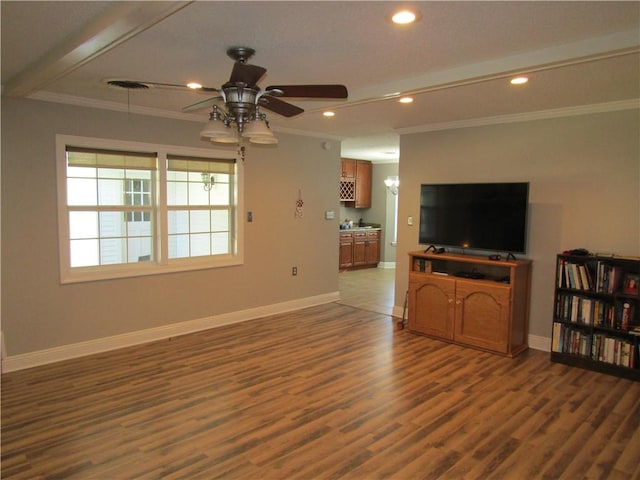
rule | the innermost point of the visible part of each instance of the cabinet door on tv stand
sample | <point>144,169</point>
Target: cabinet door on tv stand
<point>431,305</point>
<point>482,315</point>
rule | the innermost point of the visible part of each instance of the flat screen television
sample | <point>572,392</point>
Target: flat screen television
<point>475,216</point>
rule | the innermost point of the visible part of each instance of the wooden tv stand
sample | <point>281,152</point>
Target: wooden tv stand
<point>470,300</point>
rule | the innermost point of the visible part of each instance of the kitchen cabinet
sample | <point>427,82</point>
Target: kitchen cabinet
<point>346,249</point>
<point>348,169</point>
<point>355,183</point>
<point>359,248</point>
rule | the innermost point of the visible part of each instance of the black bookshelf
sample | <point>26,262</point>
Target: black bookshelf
<point>596,317</point>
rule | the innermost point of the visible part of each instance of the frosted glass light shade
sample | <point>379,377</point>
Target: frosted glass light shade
<point>257,128</point>
<point>215,129</point>
<point>264,140</point>
<point>228,140</point>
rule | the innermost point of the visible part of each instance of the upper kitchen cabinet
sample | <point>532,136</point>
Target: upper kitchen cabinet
<point>355,183</point>
<point>348,169</point>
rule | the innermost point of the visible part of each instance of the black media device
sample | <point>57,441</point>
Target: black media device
<point>475,216</point>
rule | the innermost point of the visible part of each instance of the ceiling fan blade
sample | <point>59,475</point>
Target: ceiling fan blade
<point>278,106</point>
<point>246,73</point>
<point>311,91</point>
<point>201,104</point>
<point>173,85</point>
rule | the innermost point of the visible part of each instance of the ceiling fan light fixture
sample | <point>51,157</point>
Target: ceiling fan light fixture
<point>257,128</point>
<point>215,127</point>
<point>232,140</point>
<point>264,140</point>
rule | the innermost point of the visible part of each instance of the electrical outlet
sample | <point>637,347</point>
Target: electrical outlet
<point>294,271</point>
<point>249,216</point>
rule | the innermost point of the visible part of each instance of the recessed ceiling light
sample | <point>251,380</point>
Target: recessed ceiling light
<point>406,100</point>
<point>194,85</point>
<point>329,113</point>
<point>519,80</point>
<point>404,17</point>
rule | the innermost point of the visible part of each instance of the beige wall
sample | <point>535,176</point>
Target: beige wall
<point>584,174</point>
<point>585,192</point>
<point>383,205</point>
<point>39,313</point>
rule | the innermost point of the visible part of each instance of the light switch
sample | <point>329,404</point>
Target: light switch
<point>410,221</point>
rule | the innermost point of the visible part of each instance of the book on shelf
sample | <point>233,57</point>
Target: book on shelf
<point>625,315</point>
<point>573,275</point>
<point>581,309</point>
<point>570,340</point>
<point>615,351</point>
<point>608,278</point>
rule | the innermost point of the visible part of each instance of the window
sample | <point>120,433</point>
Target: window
<point>100,209</point>
<point>137,192</point>
<point>199,200</point>
<point>137,211</point>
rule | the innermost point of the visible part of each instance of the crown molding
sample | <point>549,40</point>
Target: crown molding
<point>154,112</point>
<point>526,117</point>
<point>474,122</point>
<point>115,106</point>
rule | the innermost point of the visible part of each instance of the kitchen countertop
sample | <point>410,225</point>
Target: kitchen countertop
<point>356,229</point>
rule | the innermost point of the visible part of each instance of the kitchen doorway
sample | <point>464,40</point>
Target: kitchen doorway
<point>370,289</point>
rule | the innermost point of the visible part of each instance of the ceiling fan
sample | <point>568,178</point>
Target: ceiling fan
<point>242,98</point>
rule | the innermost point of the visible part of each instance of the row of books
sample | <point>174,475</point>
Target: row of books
<point>608,278</point>
<point>574,275</point>
<point>613,350</point>
<point>570,340</point>
<point>592,311</point>
<point>582,276</point>
<point>598,347</point>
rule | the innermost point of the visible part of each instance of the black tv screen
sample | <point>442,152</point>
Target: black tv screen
<point>476,216</point>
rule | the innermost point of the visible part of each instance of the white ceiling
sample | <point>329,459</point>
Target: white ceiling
<point>456,60</point>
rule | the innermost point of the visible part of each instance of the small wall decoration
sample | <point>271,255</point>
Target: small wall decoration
<point>299,205</point>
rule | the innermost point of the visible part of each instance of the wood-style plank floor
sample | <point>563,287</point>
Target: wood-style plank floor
<point>327,392</point>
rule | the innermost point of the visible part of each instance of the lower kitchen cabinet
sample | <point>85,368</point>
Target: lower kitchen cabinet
<point>359,248</point>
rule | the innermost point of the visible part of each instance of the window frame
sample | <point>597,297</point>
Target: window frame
<point>161,264</point>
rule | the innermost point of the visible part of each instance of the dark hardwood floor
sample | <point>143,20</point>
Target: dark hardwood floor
<point>323,393</point>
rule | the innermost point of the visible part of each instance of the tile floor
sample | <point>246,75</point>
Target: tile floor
<point>369,289</point>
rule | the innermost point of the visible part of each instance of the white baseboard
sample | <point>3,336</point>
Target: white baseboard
<point>65,352</point>
<point>540,343</point>
<point>386,264</point>
<point>397,311</point>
